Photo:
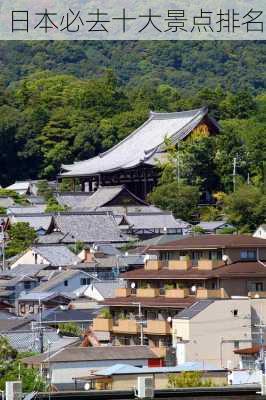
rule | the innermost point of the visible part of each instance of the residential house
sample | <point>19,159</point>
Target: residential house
<point>175,276</point>
<point>210,330</point>
<point>214,227</point>
<point>86,227</point>
<point>80,317</point>
<point>71,362</point>
<point>67,281</point>
<point>145,225</point>
<point>34,303</point>
<point>260,232</point>
<point>24,335</point>
<point>52,255</point>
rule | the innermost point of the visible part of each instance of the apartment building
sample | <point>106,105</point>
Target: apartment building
<point>175,276</point>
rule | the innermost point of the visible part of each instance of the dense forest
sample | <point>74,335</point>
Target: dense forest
<point>61,101</point>
<point>66,101</point>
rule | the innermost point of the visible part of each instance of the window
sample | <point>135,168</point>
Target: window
<point>258,286</point>
<point>85,281</point>
<point>236,344</point>
<point>235,313</point>
<point>27,285</point>
<point>65,283</point>
<point>248,254</point>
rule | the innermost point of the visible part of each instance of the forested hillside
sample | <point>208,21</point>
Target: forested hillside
<point>61,101</point>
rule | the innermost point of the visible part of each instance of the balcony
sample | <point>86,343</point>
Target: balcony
<point>159,351</point>
<point>157,327</point>
<point>155,265</point>
<point>182,265</point>
<point>126,326</point>
<point>102,324</point>
<point>122,292</point>
<point>176,293</point>
<point>257,295</point>
<point>148,292</point>
<point>209,264</point>
<point>211,294</point>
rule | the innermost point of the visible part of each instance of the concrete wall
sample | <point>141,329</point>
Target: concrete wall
<point>29,258</point>
<point>127,382</point>
<point>211,335</point>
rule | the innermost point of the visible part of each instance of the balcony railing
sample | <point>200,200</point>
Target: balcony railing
<point>211,294</point>
<point>126,326</point>
<point>122,292</point>
<point>148,292</point>
<point>209,264</point>
<point>102,324</point>
<point>176,293</point>
<point>179,264</point>
<point>157,327</point>
<point>155,264</point>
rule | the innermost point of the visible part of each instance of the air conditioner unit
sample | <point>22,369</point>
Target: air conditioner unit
<point>13,390</point>
<point>145,387</point>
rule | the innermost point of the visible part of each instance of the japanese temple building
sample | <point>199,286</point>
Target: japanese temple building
<point>133,161</point>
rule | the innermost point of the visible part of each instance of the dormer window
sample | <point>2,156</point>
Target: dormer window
<point>248,254</point>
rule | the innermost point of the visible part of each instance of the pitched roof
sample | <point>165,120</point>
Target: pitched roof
<point>69,315</point>
<point>27,269</point>
<point>13,324</point>
<point>194,309</point>
<point>141,146</point>
<point>56,280</point>
<point>20,210</point>
<point>36,221</point>
<point>77,354</point>
<point>250,350</point>
<point>152,220</point>
<point>73,200</point>
<point>6,201</point>
<point>212,241</point>
<point>212,225</point>
<point>20,186</point>
<point>89,227</point>
<point>41,296</point>
<point>107,288</point>
<point>57,255</point>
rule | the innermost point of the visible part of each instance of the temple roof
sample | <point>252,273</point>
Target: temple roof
<point>144,145</point>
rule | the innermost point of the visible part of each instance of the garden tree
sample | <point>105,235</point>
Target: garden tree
<point>21,236</point>
<point>211,213</point>
<point>69,329</point>
<point>246,208</point>
<point>179,198</point>
<point>197,162</point>
<point>11,368</point>
<point>53,206</point>
<point>19,199</point>
<point>77,247</point>
<point>44,190</point>
<point>66,185</point>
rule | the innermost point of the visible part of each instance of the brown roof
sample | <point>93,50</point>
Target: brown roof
<point>150,302</point>
<point>235,270</point>
<point>77,354</point>
<point>212,241</point>
<point>250,350</point>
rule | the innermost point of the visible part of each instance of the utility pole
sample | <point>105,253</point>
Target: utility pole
<point>234,173</point>
<point>3,245</point>
<point>140,322</point>
<point>178,163</point>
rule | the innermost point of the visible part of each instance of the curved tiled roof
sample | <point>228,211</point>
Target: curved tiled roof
<point>141,146</point>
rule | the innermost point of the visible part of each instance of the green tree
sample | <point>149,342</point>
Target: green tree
<point>181,199</point>
<point>44,190</point>
<point>21,236</point>
<point>53,206</point>
<point>69,328</point>
<point>246,208</point>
